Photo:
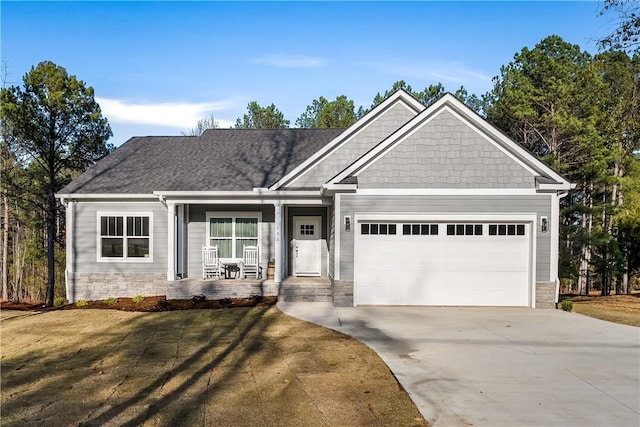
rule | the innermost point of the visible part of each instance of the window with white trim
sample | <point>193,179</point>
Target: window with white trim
<point>232,232</point>
<point>124,236</point>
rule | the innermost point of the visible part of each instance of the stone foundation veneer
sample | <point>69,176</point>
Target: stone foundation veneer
<point>546,295</point>
<point>342,293</point>
<point>99,286</point>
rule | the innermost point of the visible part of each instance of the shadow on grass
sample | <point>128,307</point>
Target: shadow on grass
<point>36,382</point>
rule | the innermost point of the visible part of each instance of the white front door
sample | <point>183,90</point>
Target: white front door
<point>306,250</point>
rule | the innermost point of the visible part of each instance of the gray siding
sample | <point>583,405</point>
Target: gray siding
<point>85,238</point>
<point>445,153</point>
<point>388,122</point>
<point>197,233</point>
<point>537,204</point>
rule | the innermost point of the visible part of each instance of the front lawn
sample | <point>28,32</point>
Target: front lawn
<point>623,309</point>
<point>231,367</point>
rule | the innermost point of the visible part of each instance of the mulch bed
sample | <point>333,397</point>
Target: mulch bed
<point>150,304</point>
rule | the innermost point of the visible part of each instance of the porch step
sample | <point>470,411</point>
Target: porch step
<point>306,290</point>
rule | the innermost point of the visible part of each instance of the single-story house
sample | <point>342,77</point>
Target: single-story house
<point>411,205</point>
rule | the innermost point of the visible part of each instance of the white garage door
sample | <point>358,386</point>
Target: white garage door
<point>440,263</point>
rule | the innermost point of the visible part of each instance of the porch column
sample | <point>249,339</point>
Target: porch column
<point>70,248</point>
<point>277,277</point>
<point>171,241</point>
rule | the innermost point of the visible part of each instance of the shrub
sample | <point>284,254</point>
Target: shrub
<point>566,305</point>
<point>198,298</point>
<point>58,301</point>
<point>110,301</point>
<point>137,299</point>
<point>82,303</point>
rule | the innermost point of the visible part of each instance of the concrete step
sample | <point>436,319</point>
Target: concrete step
<point>298,292</point>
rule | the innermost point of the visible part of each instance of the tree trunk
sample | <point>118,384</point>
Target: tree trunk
<point>18,262</point>
<point>625,282</point>
<point>5,246</point>
<point>585,256</point>
<point>51,237</point>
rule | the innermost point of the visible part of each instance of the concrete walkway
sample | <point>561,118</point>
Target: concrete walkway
<point>499,366</point>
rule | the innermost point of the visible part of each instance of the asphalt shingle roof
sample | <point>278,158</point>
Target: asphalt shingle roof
<point>219,159</point>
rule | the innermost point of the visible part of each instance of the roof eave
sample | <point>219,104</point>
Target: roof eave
<point>90,196</point>
<point>561,186</point>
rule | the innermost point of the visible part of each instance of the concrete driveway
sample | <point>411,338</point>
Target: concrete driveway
<point>500,366</point>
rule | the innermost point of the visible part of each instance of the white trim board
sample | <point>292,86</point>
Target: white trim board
<point>447,192</point>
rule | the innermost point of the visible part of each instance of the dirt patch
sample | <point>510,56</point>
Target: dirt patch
<point>149,304</point>
<point>623,309</point>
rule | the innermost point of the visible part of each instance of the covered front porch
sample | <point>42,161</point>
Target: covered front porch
<point>291,230</point>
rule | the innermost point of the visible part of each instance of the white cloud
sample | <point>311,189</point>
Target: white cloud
<point>283,60</point>
<point>180,115</point>
<point>457,73</point>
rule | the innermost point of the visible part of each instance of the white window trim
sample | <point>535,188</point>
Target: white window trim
<point>233,216</point>
<point>124,215</point>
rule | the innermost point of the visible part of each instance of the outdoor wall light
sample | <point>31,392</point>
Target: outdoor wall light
<point>544,224</point>
<point>347,223</point>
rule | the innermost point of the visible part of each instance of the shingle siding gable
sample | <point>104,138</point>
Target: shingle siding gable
<point>445,153</point>
<point>355,147</point>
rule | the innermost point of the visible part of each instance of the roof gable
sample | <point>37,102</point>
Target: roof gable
<point>355,141</point>
<point>448,146</point>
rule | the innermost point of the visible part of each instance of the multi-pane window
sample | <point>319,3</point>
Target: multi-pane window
<point>420,229</point>
<point>307,229</point>
<point>384,229</point>
<point>506,230</point>
<point>464,229</point>
<point>125,236</point>
<point>231,234</point>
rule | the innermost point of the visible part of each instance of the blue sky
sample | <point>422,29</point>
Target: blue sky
<point>157,67</point>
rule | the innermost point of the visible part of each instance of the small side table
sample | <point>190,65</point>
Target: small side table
<point>231,268</point>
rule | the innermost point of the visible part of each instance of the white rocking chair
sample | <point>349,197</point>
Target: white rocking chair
<point>250,262</point>
<point>210,262</point>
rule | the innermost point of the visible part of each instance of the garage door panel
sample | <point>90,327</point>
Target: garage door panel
<point>443,269</point>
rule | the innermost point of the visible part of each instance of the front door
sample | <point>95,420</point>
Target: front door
<point>306,248</point>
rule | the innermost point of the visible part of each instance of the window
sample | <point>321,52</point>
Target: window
<point>506,230</point>
<point>307,229</point>
<point>377,229</point>
<point>124,237</point>
<point>232,232</point>
<point>420,229</point>
<point>464,229</point>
